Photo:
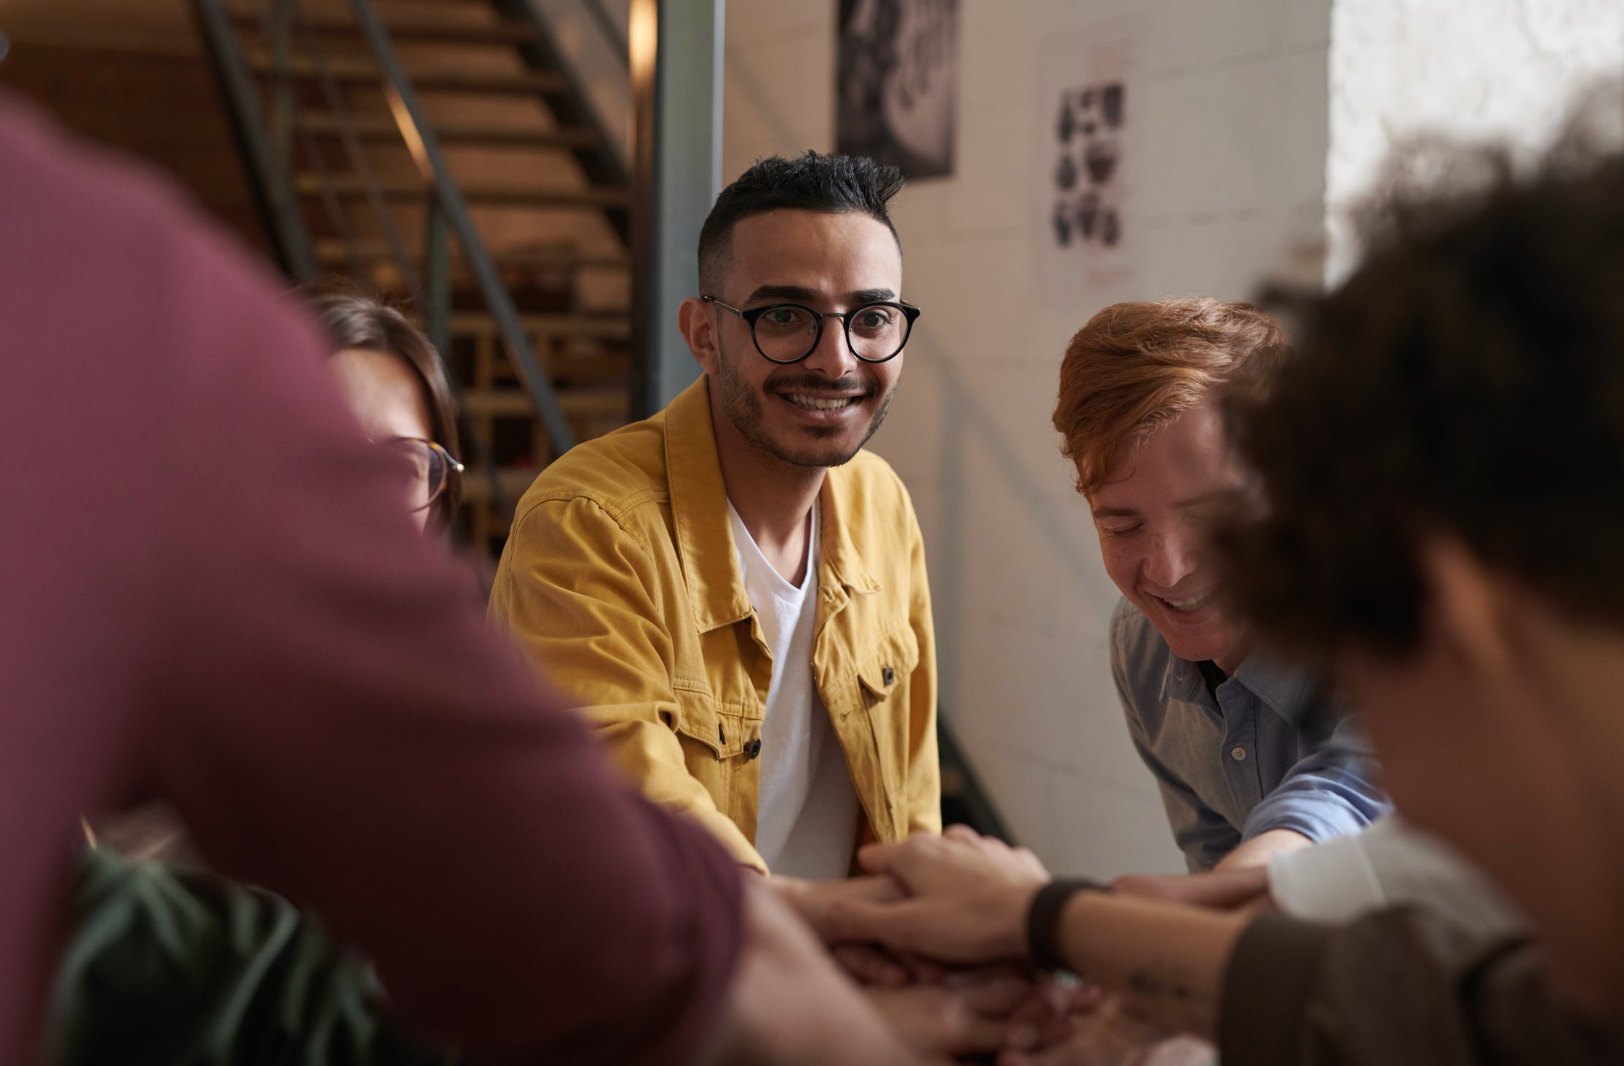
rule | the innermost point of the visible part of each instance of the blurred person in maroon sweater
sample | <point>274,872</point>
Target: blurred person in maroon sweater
<point>210,595</point>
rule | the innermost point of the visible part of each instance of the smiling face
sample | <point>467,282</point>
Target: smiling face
<point>1152,515</point>
<point>820,411</point>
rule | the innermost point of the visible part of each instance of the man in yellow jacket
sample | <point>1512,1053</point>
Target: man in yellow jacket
<point>734,589</point>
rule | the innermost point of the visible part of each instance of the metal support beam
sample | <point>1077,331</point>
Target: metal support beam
<point>268,170</point>
<point>676,67</point>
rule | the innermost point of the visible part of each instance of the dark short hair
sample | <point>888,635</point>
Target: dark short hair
<point>1467,380</point>
<point>354,318</point>
<point>810,182</point>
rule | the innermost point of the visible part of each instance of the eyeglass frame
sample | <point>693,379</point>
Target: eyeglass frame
<point>750,315</point>
<point>454,467</point>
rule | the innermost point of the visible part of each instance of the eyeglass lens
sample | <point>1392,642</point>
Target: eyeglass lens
<point>422,469</point>
<point>786,333</point>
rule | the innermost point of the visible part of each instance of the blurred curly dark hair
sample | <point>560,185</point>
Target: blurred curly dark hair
<point>1468,379</point>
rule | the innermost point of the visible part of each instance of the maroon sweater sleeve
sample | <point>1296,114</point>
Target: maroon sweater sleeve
<point>304,677</point>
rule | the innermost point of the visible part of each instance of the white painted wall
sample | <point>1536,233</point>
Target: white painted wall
<point>1226,158</point>
<point>1505,70</point>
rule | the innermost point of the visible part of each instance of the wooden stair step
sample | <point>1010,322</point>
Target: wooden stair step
<point>334,252</point>
<point>515,403</point>
<point>403,27</point>
<point>361,68</point>
<point>609,327</point>
<point>374,127</point>
<point>352,187</point>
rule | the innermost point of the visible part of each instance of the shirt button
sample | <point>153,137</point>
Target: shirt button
<point>1237,753</point>
<point>752,749</point>
<point>888,675</point>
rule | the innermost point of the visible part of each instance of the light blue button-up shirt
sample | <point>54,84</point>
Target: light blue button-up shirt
<point>1270,749</point>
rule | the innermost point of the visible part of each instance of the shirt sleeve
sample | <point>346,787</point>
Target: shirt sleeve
<point>579,593</point>
<point>1328,793</point>
<point>1396,986</point>
<point>333,719</point>
<point>1390,863</point>
<point>1201,833</point>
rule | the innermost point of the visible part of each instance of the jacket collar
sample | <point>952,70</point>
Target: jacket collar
<point>710,562</point>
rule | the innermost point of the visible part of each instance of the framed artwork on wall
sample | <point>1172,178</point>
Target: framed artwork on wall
<point>1083,179</point>
<point>896,82</point>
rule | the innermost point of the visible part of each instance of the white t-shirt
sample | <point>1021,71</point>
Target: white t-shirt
<point>806,811</point>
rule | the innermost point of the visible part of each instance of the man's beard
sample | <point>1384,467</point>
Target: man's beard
<point>744,408</point>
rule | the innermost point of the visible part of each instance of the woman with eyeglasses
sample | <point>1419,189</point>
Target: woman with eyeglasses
<point>397,386</point>
<point>170,964</point>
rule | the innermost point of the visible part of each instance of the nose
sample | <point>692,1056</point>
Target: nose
<point>1173,556</point>
<point>832,357</point>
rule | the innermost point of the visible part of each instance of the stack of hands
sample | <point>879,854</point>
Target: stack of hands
<point>936,935</point>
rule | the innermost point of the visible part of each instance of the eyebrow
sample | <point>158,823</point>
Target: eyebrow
<point>1193,501</point>
<point>801,294</point>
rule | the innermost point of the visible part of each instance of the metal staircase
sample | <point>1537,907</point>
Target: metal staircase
<point>447,153</point>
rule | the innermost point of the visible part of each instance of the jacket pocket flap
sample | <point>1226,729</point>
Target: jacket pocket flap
<point>698,719</point>
<point>889,663</point>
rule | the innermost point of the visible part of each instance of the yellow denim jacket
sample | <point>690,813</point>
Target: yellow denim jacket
<point>621,580</point>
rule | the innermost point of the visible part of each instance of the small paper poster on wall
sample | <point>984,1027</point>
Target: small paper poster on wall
<point>896,83</point>
<point>1085,166</point>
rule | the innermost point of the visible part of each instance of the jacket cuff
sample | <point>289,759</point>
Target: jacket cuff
<point>1268,985</point>
<point>731,837</point>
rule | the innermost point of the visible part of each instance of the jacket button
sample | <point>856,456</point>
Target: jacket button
<point>752,749</point>
<point>888,675</point>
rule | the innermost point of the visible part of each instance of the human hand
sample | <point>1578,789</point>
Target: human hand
<point>1243,889</point>
<point>1111,1035</point>
<point>977,1011</point>
<point>873,964</point>
<point>967,898</point>
<point>812,900</point>
<point>789,1006</point>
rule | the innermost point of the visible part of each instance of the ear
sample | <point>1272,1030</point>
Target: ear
<point>698,325</point>
<point>1471,609</point>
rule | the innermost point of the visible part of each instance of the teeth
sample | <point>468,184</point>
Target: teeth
<point>1191,605</point>
<point>819,403</point>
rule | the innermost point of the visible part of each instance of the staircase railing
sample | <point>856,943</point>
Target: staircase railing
<point>453,209</point>
<point>270,172</point>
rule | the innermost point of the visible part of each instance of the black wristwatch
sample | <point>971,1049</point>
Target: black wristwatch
<point>1043,920</point>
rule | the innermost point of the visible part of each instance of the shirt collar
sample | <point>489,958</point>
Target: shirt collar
<point>710,561</point>
<point>1287,691</point>
<point>704,537</point>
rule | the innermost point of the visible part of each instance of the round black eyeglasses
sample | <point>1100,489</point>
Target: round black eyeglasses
<point>787,333</point>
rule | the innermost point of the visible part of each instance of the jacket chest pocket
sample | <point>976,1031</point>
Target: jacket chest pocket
<point>707,733</point>
<point>874,723</point>
<point>883,672</point>
<point>717,751</point>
